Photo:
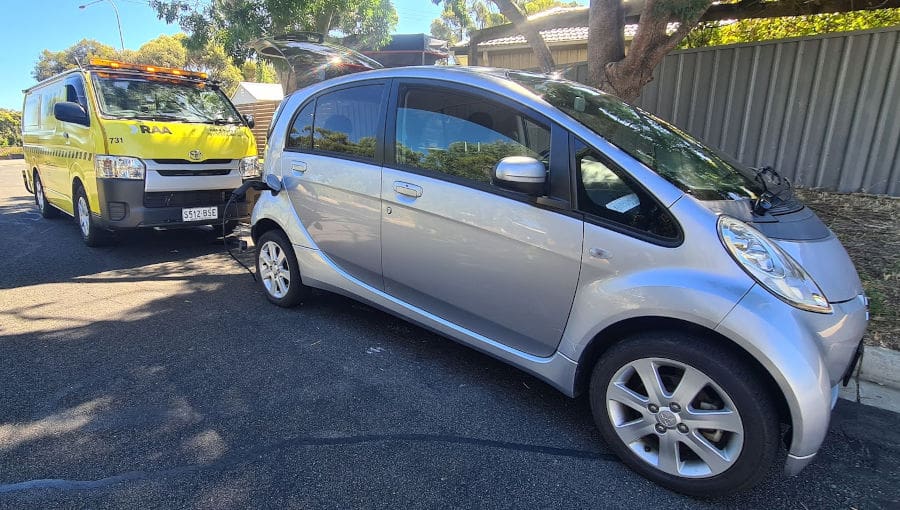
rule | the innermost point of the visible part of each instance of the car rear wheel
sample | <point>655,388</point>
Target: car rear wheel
<point>40,199</point>
<point>685,412</point>
<point>91,234</point>
<point>277,270</point>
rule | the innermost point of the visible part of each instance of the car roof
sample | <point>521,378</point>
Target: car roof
<point>491,79</point>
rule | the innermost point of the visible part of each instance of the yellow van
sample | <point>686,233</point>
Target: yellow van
<point>124,146</point>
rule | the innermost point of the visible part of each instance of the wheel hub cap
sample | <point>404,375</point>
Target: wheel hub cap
<point>667,419</point>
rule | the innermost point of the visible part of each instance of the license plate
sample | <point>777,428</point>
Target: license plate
<point>199,213</point>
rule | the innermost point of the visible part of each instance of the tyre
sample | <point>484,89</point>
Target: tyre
<point>91,233</point>
<point>685,412</point>
<point>40,199</point>
<point>277,270</point>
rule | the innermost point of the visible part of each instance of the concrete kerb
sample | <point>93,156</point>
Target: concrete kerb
<point>876,381</point>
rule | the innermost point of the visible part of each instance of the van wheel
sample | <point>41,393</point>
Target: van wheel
<point>40,199</point>
<point>277,270</point>
<point>91,234</point>
<point>685,412</point>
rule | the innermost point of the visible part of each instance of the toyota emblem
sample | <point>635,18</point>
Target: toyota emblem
<point>196,155</point>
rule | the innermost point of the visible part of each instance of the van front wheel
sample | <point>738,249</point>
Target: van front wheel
<point>91,234</point>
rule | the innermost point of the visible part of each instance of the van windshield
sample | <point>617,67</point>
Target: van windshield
<point>685,162</point>
<point>137,97</point>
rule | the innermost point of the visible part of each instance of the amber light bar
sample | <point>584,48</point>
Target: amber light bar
<point>113,64</point>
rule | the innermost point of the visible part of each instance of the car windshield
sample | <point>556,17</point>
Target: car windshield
<point>685,162</point>
<point>158,98</point>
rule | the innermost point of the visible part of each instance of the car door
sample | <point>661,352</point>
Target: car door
<point>489,260</point>
<point>332,172</point>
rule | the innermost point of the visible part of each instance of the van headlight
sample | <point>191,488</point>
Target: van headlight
<point>119,167</point>
<point>250,167</point>
<point>771,266</point>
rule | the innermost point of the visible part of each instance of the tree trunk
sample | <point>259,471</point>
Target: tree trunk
<point>532,34</point>
<point>606,37</point>
<point>627,76</point>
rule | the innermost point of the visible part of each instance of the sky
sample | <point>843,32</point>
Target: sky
<point>31,26</point>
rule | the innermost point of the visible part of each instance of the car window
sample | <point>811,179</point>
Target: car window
<point>607,192</point>
<point>463,135</point>
<point>300,134</point>
<point>75,92</point>
<point>32,115</point>
<point>346,121</point>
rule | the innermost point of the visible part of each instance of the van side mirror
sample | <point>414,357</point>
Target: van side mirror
<point>71,112</point>
<point>520,173</point>
<point>251,122</point>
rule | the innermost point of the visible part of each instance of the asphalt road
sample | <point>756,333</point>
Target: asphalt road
<point>152,373</point>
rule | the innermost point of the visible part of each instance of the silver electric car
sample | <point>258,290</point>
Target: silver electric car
<point>708,315</point>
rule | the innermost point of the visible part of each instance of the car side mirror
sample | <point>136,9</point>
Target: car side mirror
<point>71,112</point>
<point>251,122</point>
<point>520,173</point>
<point>274,184</point>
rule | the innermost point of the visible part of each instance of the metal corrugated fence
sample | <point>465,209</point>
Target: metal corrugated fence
<point>822,110</point>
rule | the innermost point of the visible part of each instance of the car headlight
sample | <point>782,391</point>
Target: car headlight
<point>250,167</point>
<point>118,167</point>
<point>771,266</point>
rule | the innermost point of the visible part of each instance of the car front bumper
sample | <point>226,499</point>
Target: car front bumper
<point>806,353</point>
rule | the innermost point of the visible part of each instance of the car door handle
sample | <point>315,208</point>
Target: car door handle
<point>298,167</point>
<point>407,189</point>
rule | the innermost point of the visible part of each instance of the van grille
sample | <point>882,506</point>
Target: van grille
<point>178,173</point>
<point>186,198</point>
<point>188,162</point>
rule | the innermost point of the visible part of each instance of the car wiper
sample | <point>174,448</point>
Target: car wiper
<point>776,189</point>
<point>220,122</point>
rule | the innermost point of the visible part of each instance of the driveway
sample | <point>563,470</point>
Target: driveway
<point>153,374</point>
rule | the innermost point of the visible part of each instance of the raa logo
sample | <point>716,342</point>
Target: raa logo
<point>150,130</point>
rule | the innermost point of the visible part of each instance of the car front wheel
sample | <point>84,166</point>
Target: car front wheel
<point>686,412</point>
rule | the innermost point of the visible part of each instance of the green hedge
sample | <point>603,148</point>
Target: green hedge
<point>10,152</point>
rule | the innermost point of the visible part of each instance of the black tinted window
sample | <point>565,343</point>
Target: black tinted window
<point>347,121</point>
<point>607,192</point>
<point>300,134</point>
<point>463,135</point>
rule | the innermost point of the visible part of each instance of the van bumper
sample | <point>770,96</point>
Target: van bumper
<point>124,205</point>
<point>807,354</point>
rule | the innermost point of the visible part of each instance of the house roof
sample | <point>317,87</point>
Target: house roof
<point>575,33</point>
<point>562,35</point>
<point>260,91</point>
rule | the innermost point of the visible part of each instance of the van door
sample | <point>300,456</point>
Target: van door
<point>54,173</point>
<point>76,141</point>
<point>486,259</point>
<point>332,172</point>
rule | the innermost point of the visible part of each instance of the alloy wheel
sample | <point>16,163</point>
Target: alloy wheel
<point>274,270</point>
<point>674,417</point>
